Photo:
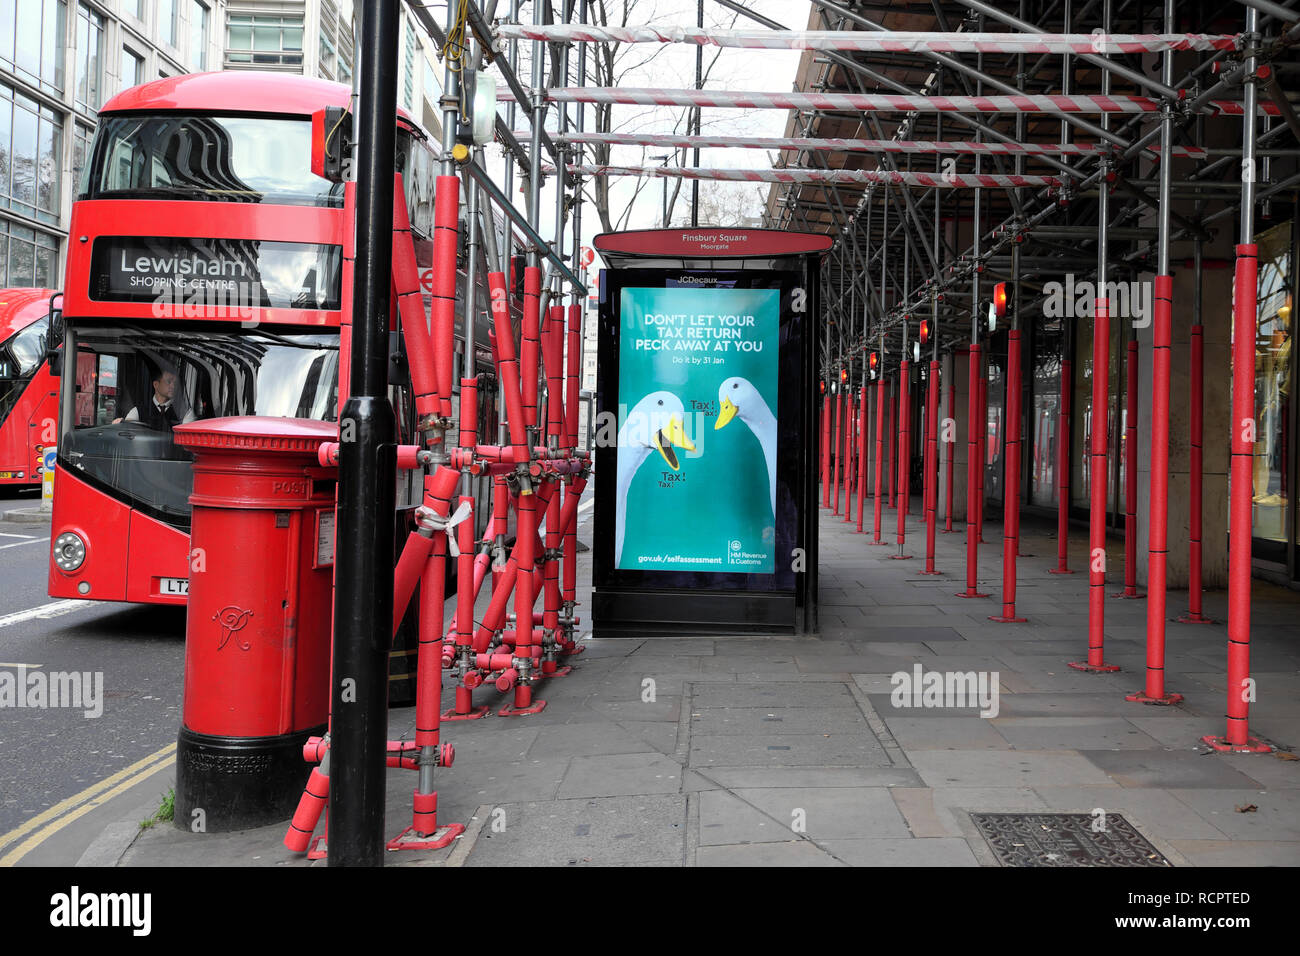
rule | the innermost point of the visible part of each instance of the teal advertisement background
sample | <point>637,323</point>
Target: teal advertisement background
<point>718,503</point>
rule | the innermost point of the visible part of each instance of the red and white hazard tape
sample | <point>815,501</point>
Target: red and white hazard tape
<point>882,42</point>
<point>861,176</point>
<point>875,102</point>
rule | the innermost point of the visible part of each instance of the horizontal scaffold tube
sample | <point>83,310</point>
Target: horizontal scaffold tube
<point>841,144</point>
<point>927,180</point>
<point>1051,103</point>
<point>898,41</point>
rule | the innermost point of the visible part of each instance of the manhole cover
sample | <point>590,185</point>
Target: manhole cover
<point>1066,839</point>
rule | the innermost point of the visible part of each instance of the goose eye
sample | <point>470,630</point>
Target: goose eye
<point>661,401</point>
<point>735,385</point>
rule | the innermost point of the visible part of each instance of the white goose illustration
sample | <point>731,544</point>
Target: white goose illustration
<point>740,399</point>
<point>655,422</point>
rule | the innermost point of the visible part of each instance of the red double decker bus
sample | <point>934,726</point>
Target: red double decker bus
<point>204,279</point>
<point>28,391</point>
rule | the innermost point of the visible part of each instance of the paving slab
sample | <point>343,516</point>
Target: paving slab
<point>1168,769</point>
<point>831,812</point>
<point>985,768</point>
<point>727,819</point>
<point>769,694</point>
<point>793,853</point>
<point>1072,733</point>
<point>1276,814</point>
<point>1239,853</point>
<point>621,775</point>
<point>748,721</point>
<point>603,831</point>
<point>787,750</point>
<point>952,733</point>
<point>930,852</point>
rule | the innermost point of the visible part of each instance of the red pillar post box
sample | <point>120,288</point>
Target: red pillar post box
<point>257,631</point>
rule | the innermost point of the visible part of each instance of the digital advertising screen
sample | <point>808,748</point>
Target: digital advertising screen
<point>698,442</point>
<point>699,437</point>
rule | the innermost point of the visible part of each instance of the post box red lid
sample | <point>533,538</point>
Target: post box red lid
<point>257,433</point>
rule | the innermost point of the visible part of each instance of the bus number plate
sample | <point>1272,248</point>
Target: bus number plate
<point>173,586</point>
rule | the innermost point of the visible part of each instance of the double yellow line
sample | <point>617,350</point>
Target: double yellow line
<point>51,821</point>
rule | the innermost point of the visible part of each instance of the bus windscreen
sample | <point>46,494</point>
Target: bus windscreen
<point>209,158</point>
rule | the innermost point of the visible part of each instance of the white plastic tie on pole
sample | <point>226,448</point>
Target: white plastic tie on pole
<point>430,520</point>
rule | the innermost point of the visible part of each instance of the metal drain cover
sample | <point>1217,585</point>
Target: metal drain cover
<point>1066,839</point>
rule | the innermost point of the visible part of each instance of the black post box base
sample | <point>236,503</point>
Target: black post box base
<point>237,783</point>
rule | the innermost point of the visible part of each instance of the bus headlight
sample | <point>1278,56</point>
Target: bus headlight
<point>69,551</point>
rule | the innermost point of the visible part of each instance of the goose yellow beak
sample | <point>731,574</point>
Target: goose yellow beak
<point>666,438</point>
<point>727,413</point>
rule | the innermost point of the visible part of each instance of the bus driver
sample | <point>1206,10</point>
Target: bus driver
<point>161,412</point>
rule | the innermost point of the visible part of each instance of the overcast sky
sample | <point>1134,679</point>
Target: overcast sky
<point>674,67</point>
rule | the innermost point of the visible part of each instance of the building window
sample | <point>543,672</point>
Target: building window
<point>90,40</point>
<point>432,84</point>
<point>134,8</point>
<point>167,26</point>
<point>31,141</point>
<point>29,258</point>
<point>408,69</point>
<point>1271,473</point>
<point>261,41</point>
<point>328,58</point>
<point>132,68</point>
<point>199,36</point>
<point>31,40</point>
<point>167,22</point>
<point>82,137</point>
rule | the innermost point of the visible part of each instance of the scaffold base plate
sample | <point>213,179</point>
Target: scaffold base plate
<point>408,839</point>
<point>475,714</point>
<point>1142,697</point>
<point>510,710</point>
<point>1253,745</point>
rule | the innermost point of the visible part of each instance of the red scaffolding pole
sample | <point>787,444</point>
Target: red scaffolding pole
<point>1130,475</point>
<point>1196,427</point>
<point>904,452</point>
<point>1158,519</point>
<point>1097,455</point>
<point>973,469</point>
<point>838,452</point>
<point>826,451</point>
<point>1063,469</point>
<point>1245,291</point>
<point>879,457</point>
<point>1011,485</point>
<point>950,442</point>
<point>862,455</point>
<point>850,423</point>
<point>931,464</point>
